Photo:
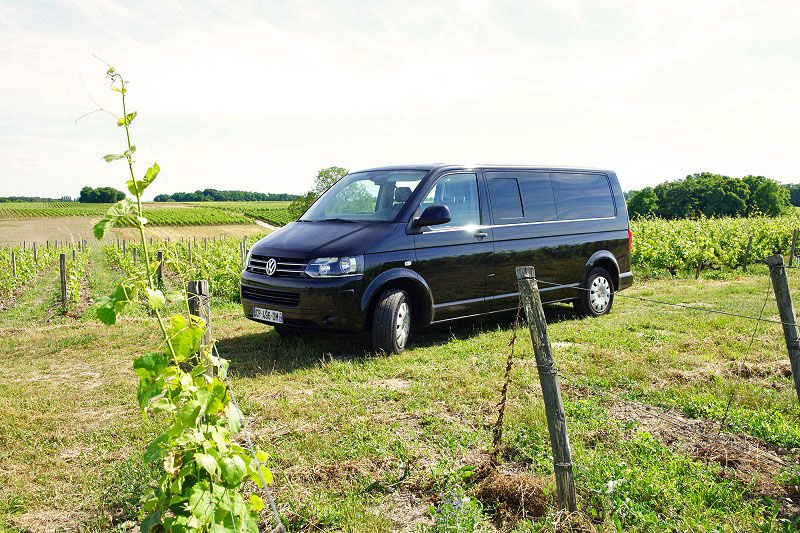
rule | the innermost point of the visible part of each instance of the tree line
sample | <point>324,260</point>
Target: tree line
<point>713,195</point>
<point>213,195</point>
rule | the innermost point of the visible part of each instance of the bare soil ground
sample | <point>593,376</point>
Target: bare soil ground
<point>174,233</point>
<point>67,229</point>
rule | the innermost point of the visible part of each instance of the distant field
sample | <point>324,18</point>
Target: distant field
<point>64,228</point>
<point>158,214</point>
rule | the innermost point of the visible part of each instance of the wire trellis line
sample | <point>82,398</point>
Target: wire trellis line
<point>679,305</point>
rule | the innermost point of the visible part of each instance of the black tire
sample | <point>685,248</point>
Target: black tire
<point>285,332</point>
<point>391,322</point>
<point>597,295</point>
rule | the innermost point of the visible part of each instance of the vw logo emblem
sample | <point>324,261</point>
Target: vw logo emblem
<point>271,266</point>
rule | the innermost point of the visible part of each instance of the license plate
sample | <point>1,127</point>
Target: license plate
<point>268,315</point>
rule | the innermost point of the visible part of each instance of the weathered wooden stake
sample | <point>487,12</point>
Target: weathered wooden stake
<point>35,255</point>
<point>747,253</point>
<point>700,262</point>
<point>62,266</point>
<point>784,299</point>
<point>48,244</point>
<point>159,270</point>
<point>124,248</point>
<point>548,377</point>
<point>14,263</point>
<point>205,244</point>
<point>792,249</point>
<point>73,255</point>
<point>241,254</point>
<point>135,255</point>
<point>199,304</point>
<point>189,250</point>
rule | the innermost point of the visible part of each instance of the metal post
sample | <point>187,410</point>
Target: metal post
<point>747,253</point>
<point>62,265</point>
<point>784,299</point>
<point>551,391</point>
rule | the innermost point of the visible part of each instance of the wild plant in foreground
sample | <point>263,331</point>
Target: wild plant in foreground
<point>203,470</point>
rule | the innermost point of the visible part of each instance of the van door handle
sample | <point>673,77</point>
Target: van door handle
<point>480,234</point>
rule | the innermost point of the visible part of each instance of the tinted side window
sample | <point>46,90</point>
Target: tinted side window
<point>506,201</point>
<point>534,188</point>
<point>582,196</point>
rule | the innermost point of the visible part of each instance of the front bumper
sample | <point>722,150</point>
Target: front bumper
<point>306,303</point>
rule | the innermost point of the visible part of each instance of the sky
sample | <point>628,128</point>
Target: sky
<point>260,96</point>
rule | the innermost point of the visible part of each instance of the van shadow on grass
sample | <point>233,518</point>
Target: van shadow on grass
<point>266,352</point>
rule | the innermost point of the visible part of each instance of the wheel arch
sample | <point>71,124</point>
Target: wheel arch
<point>404,279</point>
<point>603,259</point>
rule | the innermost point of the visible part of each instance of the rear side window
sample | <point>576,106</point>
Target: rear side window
<point>506,201</point>
<point>582,196</point>
<point>532,188</point>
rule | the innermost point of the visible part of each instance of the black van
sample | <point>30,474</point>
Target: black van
<point>388,248</point>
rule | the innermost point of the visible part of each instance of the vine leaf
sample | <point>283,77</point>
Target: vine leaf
<point>207,462</point>
<point>155,299</point>
<point>108,307</point>
<point>185,337</point>
<point>150,366</point>
<point>115,214</point>
<point>255,477</point>
<point>233,470</point>
<point>112,157</point>
<point>256,502</point>
<point>137,187</point>
<point>234,417</point>
<point>127,120</point>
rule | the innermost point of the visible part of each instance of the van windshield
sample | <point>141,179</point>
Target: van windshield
<point>376,196</point>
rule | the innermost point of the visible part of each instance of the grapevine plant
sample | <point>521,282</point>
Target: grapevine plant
<point>203,472</point>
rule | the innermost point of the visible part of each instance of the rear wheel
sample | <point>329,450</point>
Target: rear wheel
<point>391,322</point>
<point>597,295</point>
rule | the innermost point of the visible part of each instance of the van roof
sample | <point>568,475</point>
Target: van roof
<point>445,166</point>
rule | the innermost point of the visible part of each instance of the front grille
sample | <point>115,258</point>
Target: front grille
<point>287,267</point>
<point>271,296</point>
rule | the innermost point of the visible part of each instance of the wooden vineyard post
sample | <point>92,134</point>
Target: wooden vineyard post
<point>159,269</point>
<point>700,262</point>
<point>548,377</point>
<point>73,255</point>
<point>62,266</point>
<point>784,299</point>
<point>792,249</point>
<point>135,255</point>
<point>199,304</point>
<point>189,250</point>
<point>35,255</point>
<point>13,263</point>
<point>241,254</point>
<point>747,253</point>
<point>124,248</point>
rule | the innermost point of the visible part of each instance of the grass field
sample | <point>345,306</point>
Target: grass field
<point>361,442</point>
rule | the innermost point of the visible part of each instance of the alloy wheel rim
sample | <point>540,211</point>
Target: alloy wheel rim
<point>403,324</point>
<point>599,294</point>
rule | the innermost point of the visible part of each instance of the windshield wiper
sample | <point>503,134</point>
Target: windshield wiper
<point>338,220</point>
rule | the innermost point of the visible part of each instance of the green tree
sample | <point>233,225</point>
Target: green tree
<point>643,203</point>
<point>325,178</point>
<point>770,198</point>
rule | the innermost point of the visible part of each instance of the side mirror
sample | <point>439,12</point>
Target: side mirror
<point>432,216</point>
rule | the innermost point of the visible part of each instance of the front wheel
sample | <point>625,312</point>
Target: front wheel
<point>391,323</point>
<point>597,294</point>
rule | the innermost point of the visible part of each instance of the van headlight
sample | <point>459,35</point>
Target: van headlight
<point>335,266</point>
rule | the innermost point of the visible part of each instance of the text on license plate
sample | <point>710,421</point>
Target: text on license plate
<point>268,314</point>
